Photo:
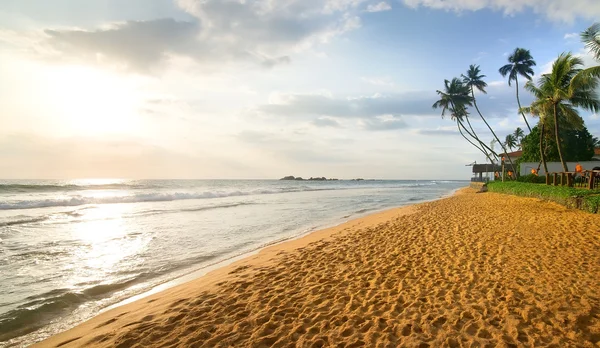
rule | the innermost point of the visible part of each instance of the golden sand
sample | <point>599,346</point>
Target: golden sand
<point>473,270</point>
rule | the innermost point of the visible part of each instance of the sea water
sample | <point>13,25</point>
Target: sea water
<point>69,249</point>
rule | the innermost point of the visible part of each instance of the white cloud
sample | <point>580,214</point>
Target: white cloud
<point>571,36</point>
<point>383,123</point>
<point>382,6</point>
<point>222,32</point>
<point>588,61</point>
<point>325,122</point>
<point>361,107</point>
<point>554,10</point>
<point>385,81</point>
<point>438,131</point>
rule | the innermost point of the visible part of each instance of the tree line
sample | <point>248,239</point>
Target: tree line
<point>558,95</point>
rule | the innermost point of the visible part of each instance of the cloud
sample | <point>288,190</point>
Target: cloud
<point>587,58</point>
<point>437,131</point>
<point>298,105</point>
<point>295,147</point>
<point>385,81</point>
<point>416,103</point>
<point>571,36</point>
<point>135,44</point>
<point>264,32</point>
<point>383,123</point>
<point>554,10</point>
<point>382,6</point>
<point>326,122</point>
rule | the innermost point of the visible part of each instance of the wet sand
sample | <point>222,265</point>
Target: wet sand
<point>472,270</point>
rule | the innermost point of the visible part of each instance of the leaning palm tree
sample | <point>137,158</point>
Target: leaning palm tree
<point>455,99</point>
<point>559,94</point>
<point>520,62</point>
<point>474,80</point>
<point>510,142</point>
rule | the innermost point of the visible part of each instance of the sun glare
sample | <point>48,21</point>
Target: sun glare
<point>91,102</point>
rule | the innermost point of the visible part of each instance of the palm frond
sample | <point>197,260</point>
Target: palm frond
<point>591,39</point>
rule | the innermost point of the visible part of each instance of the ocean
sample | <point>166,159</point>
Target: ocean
<point>71,248</point>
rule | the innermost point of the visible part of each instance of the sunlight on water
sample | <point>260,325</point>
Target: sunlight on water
<point>104,242</point>
<point>96,181</point>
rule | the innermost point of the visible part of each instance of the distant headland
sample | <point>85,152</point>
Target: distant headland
<point>299,178</point>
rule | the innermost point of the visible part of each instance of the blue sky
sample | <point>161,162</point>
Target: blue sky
<point>261,88</point>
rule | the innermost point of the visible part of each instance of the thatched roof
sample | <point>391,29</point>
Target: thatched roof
<point>486,168</point>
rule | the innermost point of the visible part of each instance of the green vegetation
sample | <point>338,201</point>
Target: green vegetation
<point>588,200</point>
<point>560,134</point>
<point>559,94</point>
<point>531,178</point>
<point>578,145</point>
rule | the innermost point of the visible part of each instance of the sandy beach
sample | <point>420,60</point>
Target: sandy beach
<point>472,270</point>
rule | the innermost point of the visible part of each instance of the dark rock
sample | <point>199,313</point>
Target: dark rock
<point>291,177</point>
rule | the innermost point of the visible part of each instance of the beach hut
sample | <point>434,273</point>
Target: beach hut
<point>479,169</point>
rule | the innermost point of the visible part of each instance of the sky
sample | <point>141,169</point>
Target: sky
<point>260,89</point>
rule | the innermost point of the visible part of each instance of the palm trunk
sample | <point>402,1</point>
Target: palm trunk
<point>558,145</point>
<point>458,124</point>
<point>475,135</point>
<point>491,130</point>
<point>542,152</point>
<point>519,103</point>
<point>483,145</point>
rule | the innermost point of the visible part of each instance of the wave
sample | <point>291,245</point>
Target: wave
<point>136,198</point>
<point>23,221</point>
<point>23,188</point>
<point>43,308</point>
<point>79,200</point>
<point>40,309</point>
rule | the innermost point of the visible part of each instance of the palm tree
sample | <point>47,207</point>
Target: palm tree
<point>510,142</point>
<point>474,80</point>
<point>591,38</point>
<point>545,114</point>
<point>559,94</point>
<point>519,135</point>
<point>455,99</point>
<point>519,63</point>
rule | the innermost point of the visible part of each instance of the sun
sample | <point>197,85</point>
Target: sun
<point>92,102</point>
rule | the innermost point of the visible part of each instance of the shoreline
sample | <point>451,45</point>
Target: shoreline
<point>196,273</point>
<point>466,269</point>
<point>201,272</point>
<point>247,259</point>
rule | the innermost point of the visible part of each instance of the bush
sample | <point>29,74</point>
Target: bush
<point>591,203</point>
<point>531,178</point>
<point>588,200</point>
